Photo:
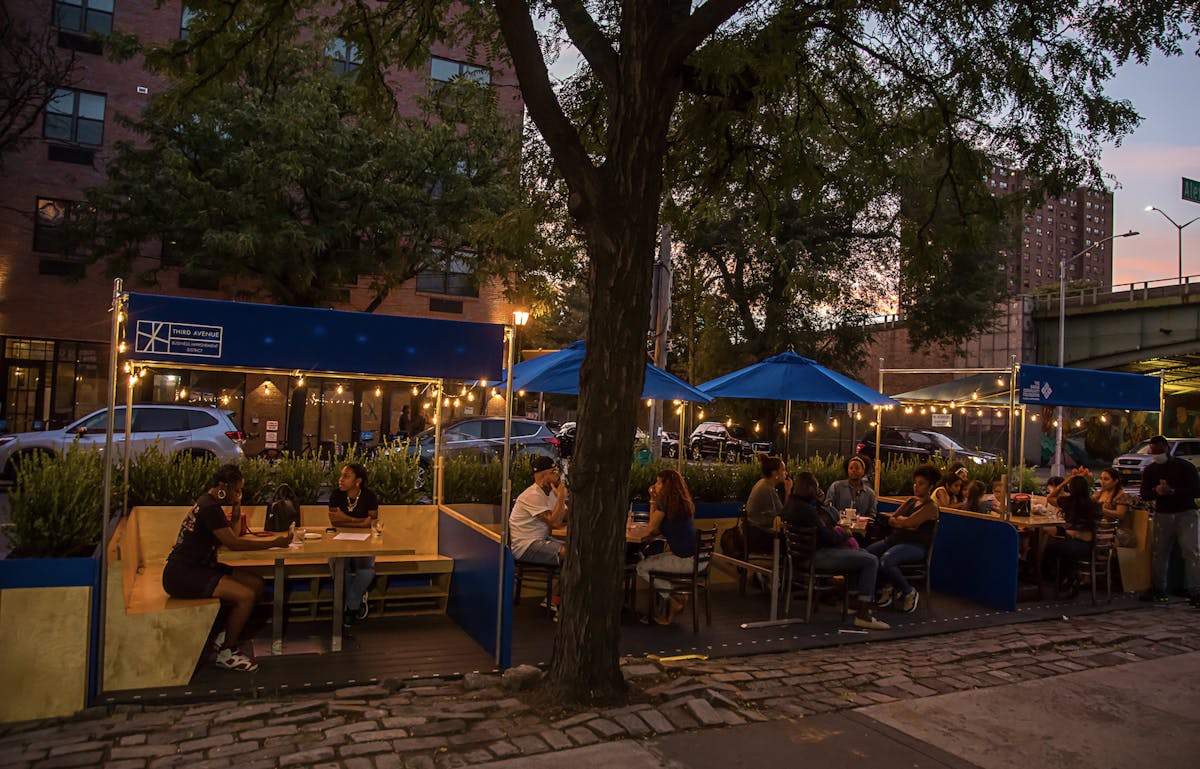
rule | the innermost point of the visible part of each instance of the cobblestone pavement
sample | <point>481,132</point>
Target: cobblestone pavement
<point>437,724</point>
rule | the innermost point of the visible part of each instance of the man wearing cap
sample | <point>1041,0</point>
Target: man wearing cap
<point>539,509</point>
<point>1173,484</point>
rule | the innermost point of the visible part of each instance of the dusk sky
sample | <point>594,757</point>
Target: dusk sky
<point>1149,165</point>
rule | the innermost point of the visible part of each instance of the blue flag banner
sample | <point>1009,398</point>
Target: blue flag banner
<point>221,334</point>
<point>1054,386</point>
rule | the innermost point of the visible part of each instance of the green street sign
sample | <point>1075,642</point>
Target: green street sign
<point>1191,190</point>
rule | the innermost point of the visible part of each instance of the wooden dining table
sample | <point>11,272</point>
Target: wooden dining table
<point>327,546</point>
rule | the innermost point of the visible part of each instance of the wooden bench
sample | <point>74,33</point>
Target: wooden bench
<point>151,639</point>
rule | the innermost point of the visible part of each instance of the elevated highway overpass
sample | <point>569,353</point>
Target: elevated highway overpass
<point>1145,328</point>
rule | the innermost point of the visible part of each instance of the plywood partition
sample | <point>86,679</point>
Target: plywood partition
<point>150,640</point>
<point>43,651</point>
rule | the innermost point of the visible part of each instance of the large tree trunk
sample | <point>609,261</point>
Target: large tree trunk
<point>620,221</point>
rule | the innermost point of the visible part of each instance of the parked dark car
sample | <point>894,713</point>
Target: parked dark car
<point>670,444</point>
<point>566,440</point>
<point>731,443</point>
<point>914,443</point>
<point>484,437</point>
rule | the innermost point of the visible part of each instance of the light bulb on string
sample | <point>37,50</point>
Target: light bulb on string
<point>416,390</point>
<point>378,391</point>
<point>470,397</point>
<point>340,389</point>
<point>183,392</point>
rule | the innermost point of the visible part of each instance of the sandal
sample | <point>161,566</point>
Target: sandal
<point>232,659</point>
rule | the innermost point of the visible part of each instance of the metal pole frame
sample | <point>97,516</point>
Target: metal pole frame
<point>116,311</point>
<point>510,336</point>
<point>877,470</point>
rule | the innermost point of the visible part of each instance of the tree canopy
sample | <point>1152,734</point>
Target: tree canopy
<point>284,178</point>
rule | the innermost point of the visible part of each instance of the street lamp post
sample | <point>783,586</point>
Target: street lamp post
<point>1178,227</point>
<point>1058,468</point>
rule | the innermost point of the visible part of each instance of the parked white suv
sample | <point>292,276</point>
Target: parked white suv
<point>1130,466</point>
<point>191,429</point>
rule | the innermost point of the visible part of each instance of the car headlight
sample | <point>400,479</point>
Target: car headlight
<point>979,460</point>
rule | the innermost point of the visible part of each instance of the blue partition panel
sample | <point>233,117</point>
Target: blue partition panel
<point>976,559</point>
<point>475,585</point>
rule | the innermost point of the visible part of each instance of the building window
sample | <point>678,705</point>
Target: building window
<point>344,55</point>
<point>84,15</point>
<point>75,116</point>
<point>453,279</point>
<point>51,215</point>
<point>445,70</point>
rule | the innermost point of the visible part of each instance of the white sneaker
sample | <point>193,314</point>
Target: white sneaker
<point>232,659</point>
<point>218,641</point>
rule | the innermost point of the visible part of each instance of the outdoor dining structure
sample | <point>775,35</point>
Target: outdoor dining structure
<point>976,555</point>
<point>149,641</point>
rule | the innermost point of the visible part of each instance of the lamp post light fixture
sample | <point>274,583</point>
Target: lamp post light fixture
<point>1178,227</point>
<point>1058,468</point>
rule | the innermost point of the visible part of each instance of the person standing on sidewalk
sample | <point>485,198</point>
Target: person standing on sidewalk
<point>1172,484</point>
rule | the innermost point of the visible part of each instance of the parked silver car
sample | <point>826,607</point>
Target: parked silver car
<point>191,429</point>
<point>1130,466</point>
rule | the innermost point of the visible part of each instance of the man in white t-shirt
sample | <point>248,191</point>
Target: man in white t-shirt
<point>539,509</point>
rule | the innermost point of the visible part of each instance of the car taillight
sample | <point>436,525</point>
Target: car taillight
<point>552,441</point>
<point>859,447</point>
<point>234,435</point>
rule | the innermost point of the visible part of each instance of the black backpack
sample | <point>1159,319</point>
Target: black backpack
<point>282,510</point>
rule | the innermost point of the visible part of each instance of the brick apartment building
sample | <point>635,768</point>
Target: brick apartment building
<point>1059,229</point>
<point>54,331</point>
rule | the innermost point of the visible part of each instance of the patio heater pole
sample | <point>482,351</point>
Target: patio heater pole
<point>679,443</point>
<point>128,441</point>
<point>437,443</point>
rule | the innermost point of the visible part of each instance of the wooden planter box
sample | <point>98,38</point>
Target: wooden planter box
<point>46,629</point>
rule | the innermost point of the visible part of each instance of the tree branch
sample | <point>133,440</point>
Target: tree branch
<point>704,21</point>
<point>516,24</point>
<point>587,36</point>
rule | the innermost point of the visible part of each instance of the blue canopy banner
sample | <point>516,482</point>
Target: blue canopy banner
<point>1054,386</point>
<point>262,337</point>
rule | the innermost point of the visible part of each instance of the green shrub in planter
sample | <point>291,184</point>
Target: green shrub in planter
<point>467,479</point>
<point>394,474</point>
<point>303,474</point>
<point>56,505</point>
<point>720,482</point>
<point>259,475</point>
<point>827,468</point>
<point>157,478</point>
<point>895,479</point>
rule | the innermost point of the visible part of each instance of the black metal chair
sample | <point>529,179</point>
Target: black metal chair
<point>692,585</point>
<point>538,572</point>
<point>801,546</point>
<point>1099,565</point>
<point>922,572</point>
<point>757,546</point>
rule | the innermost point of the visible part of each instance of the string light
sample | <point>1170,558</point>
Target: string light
<point>340,389</point>
<point>445,401</point>
<point>1033,417</point>
<point>835,424</point>
<point>470,397</point>
<point>1104,419</point>
<point>416,390</point>
<point>183,392</point>
<point>425,405</point>
<point>121,348</point>
<point>521,393</point>
<point>300,381</point>
<point>978,412</point>
<point>128,368</point>
<point>729,422</point>
<point>700,413</point>
<point>378,391</point>
<point>456,402</point>
<point>649,402</point>
<point>811,427</point>
<point>1079,423</point>
<point>756,427</point>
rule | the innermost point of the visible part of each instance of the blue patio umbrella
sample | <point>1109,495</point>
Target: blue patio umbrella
<point>558,372</point>
<point>790,377</point>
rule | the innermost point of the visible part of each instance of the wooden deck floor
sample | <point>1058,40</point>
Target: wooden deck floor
<point>432,646</point>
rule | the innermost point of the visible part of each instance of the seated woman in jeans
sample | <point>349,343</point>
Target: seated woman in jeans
<point>912,535</point>
<point>834,551</point>
<point>1080,515</point>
